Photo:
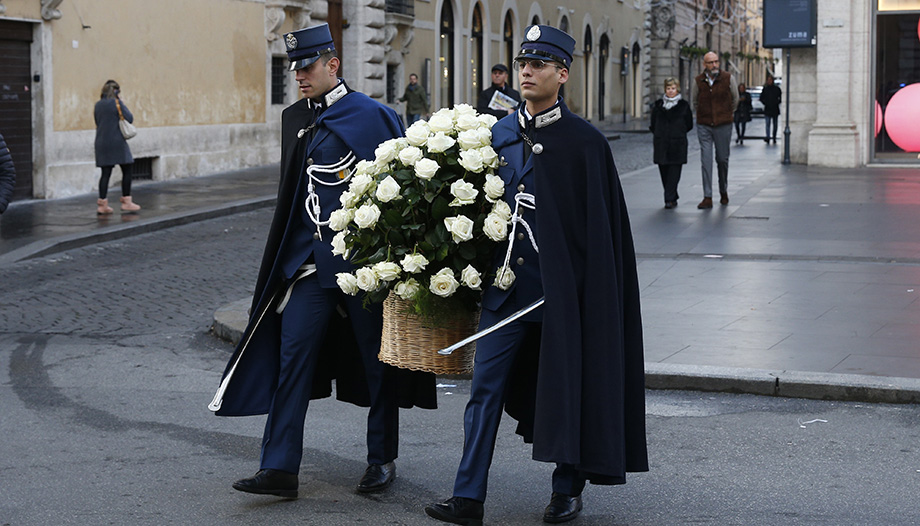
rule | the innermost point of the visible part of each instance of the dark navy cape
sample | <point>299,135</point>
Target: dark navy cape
<point>579,393</point>
<point>362,124</point>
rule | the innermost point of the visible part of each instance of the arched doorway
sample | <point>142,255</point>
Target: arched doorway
<point>508,39</point>
<point>476,50</point>
<point>588,47</point>
<point>535,21</point>
<point>446,55</point>
<point>602,76</point>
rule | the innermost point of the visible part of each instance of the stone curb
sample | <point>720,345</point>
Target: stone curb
<point>143,226</point>
<point>230,322</point>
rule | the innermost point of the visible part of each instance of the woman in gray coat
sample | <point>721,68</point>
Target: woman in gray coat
<point>112,148</point>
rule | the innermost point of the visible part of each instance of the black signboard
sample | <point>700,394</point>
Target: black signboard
<point>790,23</point>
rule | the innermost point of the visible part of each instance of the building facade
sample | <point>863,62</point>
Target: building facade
<point>207,79</point>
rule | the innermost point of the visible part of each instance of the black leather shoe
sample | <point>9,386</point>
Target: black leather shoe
<point>562,508</point>
<point>270,482</point>
<point>377,477</point>
<point>457,510</point>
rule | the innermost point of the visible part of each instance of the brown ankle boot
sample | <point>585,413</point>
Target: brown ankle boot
<point>102,207</point>
<point>705,203</point>
<point>128,206</point>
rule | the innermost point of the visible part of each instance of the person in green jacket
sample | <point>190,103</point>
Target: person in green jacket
<point>416,100</point>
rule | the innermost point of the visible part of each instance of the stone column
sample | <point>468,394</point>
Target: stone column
<point>364,43</point>
<point>839,133</point>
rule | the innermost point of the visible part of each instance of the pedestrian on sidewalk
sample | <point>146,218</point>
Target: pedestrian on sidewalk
<point>772,97</point>
<point>7,175</point>
<point>571,371</point>
<point>112,148</point>
<point>714,93</point>
<point>499,99</point>
<point>298,337</point>
<point>670,122</point>
<point>742,112</point>
<point>416,100</point>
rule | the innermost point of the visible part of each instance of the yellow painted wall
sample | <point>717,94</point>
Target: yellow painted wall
<point>23,9</point>
<point>179,62</point>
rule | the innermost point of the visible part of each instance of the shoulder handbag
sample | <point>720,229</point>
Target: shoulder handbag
<point>127,129</point>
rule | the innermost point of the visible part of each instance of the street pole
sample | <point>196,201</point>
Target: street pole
<point>787,132</point>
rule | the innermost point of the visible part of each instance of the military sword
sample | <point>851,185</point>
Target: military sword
<point>495,327</point>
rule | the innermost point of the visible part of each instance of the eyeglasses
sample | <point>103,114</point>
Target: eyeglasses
<point>535,64</point>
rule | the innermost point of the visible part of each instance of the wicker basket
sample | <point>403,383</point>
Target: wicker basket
<point>409,343</point>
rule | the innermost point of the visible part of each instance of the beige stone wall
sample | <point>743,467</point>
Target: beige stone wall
<point>179,62</point>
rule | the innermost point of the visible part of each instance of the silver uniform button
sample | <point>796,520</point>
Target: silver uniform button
<point>520,235</point>
<point>309,161</point>
<point>315,235</point>
<point>520,188</point>
<point>520,261</point>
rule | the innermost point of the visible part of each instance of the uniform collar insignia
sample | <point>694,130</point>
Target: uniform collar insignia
<point>335,94</point>
<point>545,119</point>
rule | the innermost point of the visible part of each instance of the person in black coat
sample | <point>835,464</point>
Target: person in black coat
<point>671,120</point>
<point>7,176</point>
<point>112,148</point>
<point>499,84</point>
<point>771,97</point>
<point>742,113</point>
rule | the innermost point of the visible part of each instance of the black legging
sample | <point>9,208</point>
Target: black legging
<point>740,127</point>
<point>125,180</point>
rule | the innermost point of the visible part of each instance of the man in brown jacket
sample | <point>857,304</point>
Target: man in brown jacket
<point>715,96</point>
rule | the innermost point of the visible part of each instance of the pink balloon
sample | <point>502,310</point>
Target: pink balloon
<point>878,118</point>
<point>902,118</point>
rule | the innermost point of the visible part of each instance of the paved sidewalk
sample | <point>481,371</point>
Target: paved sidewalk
<point>806,284</point>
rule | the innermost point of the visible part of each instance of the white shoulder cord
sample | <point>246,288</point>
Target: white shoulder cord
<point>521,199</point>
<point>312,202</point>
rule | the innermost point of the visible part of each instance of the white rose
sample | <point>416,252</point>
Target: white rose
<point>440,142</point>
<point>360,184</point>
<point>464,192</point>
<point>347,282</point>
<point>364,167</point>
<point>489,157</point>
<point>443,283</point>
<point>494,187</point>
<point>471,278</point>
<point>387,270</point>
<point>367,279</point>
<point>386,152</point>
<point>466,121</point>
<point>338,245</point>
<point>495,227</point>
<point>503,280</point>
<point>446,113</point>
<point>414,263</point>
<point>426,168</point>
<point>464,109</point>
<point>468,139</point>
<point>487,120</point>
<point>367,215</point>
<point>471,160</point>
<point>485,136</point>
<point>348,199</point>
<point>338,219</point>
<point>408,289</point>
<point>417,134</point>
<point>410,155</point>
<point>460,228</point>
<point>502,210</point>
<point>440,122</point>
<point>388,190</point>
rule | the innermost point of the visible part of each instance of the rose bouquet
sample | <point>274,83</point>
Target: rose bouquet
<point>423,218</point>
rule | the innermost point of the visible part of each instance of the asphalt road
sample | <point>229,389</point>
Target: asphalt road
<point>106,368</point>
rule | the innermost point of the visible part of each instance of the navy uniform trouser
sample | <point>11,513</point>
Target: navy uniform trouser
<point>495,355</point>
<point>303,329</point>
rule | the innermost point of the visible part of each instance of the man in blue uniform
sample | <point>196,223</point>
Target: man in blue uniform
<point>297,340</point>
<point>571,372</point>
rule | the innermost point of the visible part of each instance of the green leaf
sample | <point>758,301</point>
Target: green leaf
<point>442,252</point>
<point>393,218</point>
<point>467,251</point>
<point>442,236</point>
<point>440,208</point>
